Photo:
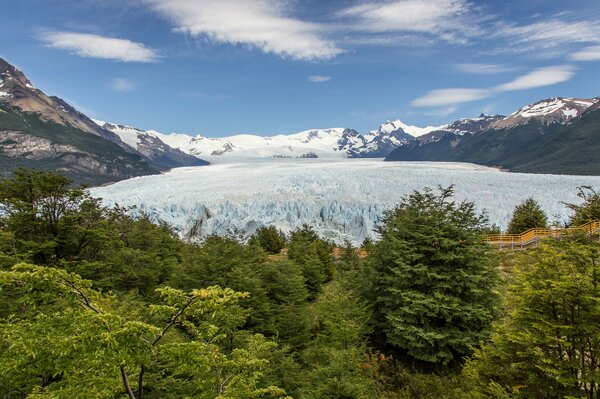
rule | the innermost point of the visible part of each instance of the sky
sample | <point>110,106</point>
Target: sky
<point>223,67</point>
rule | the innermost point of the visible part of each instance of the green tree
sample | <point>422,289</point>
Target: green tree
<point>336,356</point>
<point>66,341</point>
<point>226,262</point>
<point>548,345</point>
<point>49,219</point>
<point>286,289</point>
<point>527,215</point>
<point>314,255</point>
<point>434,278</point>
<point>588,210</point>
<point>269,239</point>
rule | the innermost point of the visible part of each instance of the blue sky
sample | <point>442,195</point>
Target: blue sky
<point>221,67</point>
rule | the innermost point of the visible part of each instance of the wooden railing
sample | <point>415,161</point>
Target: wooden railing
<point>533,236</point>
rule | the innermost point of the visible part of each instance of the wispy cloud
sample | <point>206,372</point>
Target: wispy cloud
<point>95,46</point>
<point>591,53</point>
<point>443,19</point>
<point>538,78</point>
<point>483,69</point>
<point>263,24</point>
<point>122,85</point>
<point>318,78</point>
<point>440,112</point>
<point>546,35</point>
<point>441,97</point>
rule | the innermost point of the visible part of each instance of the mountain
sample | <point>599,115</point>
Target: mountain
<point>333,142</point>
<point>547,112</point>
<point>148,144</point>
<point>558,135</point>
<point>321,142</point>
<point>44,132</point>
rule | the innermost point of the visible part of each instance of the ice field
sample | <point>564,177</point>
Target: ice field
<point>340,198</point>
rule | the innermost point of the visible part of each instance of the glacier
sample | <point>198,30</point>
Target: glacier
<point>343,199</point>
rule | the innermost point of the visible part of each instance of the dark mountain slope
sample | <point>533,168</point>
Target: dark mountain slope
<point>28,141</point>
<point>534,145</point>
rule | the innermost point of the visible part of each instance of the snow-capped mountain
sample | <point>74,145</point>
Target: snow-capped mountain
<point>324,143</point>
<point>557,135</point>
<point>394,126</point>
<point>321,142</point>
<point>148,144</point>
<point>471,125</point>
<point>552,110</point>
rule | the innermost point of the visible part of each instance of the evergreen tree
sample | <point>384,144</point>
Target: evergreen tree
<point>434,291</point>
<point>527,215</point>
<point>269,239</point>
<point>315,257</point>
<point>548,345</point>
<point>588,210</point>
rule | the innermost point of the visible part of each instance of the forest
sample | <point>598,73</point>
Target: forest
<point>97,304</point>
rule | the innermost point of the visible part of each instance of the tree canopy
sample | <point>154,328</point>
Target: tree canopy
<point>527,215</point>
<point>435,279</point>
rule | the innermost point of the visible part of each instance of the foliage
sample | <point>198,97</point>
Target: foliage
<point>48,219</point>
<point>80,348</point>
<point>434,292</point>
<point>313,254</point>
<point>527,215</point>
<point>113,306</point>
<point>590,208</point>
<point>269,239</point>
<point>548,345</point>
<point>338,352</point>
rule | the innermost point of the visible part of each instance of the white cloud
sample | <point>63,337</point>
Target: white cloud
<point>95,46</point>
<point>318,78</point>
<point>441,97</point>
<point>122,85</point>
<point>483,69</point>
<point>539,78</point>
<point>440,112</point>
<point>591,53</point>
<point>547,34</point>
<point>444,19</point>
<point>262,24</point>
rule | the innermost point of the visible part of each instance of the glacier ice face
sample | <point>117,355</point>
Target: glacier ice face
<point>341,198</point>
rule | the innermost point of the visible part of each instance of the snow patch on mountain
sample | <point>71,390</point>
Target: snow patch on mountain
<point>553,110</point>
<point>415,131</point>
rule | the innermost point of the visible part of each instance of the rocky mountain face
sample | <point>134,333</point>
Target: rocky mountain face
<point>17,91</point>
<point>334,142</point>
<point>558,135</point>
<point>45,132</point>
<point>148,144</point>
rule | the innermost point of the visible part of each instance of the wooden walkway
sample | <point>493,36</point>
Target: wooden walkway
<point>499,241</point>
<point>533,236</point>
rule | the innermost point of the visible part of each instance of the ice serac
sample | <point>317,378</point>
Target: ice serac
<point>341,198</point>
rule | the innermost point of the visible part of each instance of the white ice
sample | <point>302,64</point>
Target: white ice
<point>341,198</point>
